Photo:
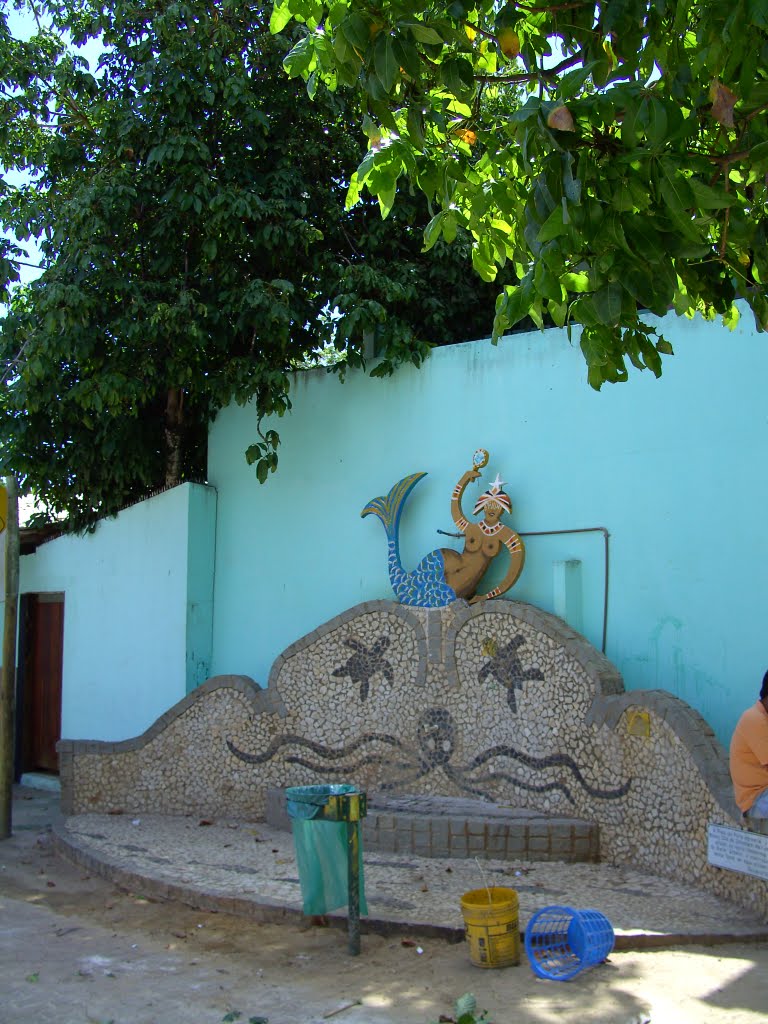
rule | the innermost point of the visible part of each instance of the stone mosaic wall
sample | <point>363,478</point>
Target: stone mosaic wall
<point>499,701</point>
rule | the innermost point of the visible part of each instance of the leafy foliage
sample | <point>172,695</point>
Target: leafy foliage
<point>189,208</point>
<point>615,152</point>
<point>465,1012</point>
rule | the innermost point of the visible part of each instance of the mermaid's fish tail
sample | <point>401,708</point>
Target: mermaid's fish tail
<point>425,587</point>
<point>389,507</point>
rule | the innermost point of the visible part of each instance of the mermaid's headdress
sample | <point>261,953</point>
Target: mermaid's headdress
<point>496,494</point>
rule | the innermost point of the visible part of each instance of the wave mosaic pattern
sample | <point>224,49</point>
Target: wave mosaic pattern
<point>498,701</point>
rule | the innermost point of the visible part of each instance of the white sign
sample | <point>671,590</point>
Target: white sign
<point>738,850</point>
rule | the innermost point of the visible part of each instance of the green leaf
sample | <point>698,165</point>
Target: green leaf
<point>608,302</point>
<point>657,123</point>
<point>424,33</point>
<point>639,282</point>
<point>450,226</point>
<point>758,154</point>
<point>356,30</point>
<point>611,233</point>
<point>572,82</point>
<point>708,198</point>
<point>748,75</point>
<point>558,311</point>
<point>386,197</point>
<point>407,56</point>
<point>432,230</point>
<point>731,317</point>
<point>595,377</point>
<point>457,75</point>
<point>576,282</point>
<point>759,306</point>
<point>650,355</point>
<point>466,1004</point>
<point>281,15</point>
<point>644,239</point>
<point>547,284</point>
<point>483,264</point>
<point>676,193</point>
<point>300,58</point>
<point>385,61</point>
<point>553,226</point>
<point>513,304</point>
<point>571,185</point>
<point>634,116</point>
<point>353,192</point>
<point>415,125</point>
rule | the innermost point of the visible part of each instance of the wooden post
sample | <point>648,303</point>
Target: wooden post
<point>353,876</point>
<point>8,677</point>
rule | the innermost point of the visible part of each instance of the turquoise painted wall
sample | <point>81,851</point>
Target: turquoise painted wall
<point>200,567</point>
<point>137,611</point>
<point>673,469</point>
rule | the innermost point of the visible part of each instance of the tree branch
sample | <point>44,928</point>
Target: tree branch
<point>756,111</point>
<point>532,76</point>
<point>726,221</point>
<point>553,8</point>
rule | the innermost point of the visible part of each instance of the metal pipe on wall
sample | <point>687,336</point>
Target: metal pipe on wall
<point>554,533</point>
<point>585,529</point>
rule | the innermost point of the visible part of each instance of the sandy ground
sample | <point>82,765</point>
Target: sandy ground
<point>76,950</point>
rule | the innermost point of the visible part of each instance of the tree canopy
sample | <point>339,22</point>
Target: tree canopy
<point>614,152</point>
<point>189,208</point>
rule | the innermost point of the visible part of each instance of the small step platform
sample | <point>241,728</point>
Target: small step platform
<point>455,828</point>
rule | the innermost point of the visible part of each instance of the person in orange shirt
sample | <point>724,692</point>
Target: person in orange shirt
<point>749,758</point>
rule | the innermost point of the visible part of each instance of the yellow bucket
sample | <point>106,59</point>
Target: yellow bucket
<point>493,932</point>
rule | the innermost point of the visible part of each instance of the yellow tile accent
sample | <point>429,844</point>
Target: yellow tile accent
<point>638,723</point>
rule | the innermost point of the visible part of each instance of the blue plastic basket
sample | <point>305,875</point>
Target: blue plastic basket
<point>560,941</point>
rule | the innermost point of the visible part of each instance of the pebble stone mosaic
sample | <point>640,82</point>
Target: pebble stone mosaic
<point>499,702</point>
<point>249,868</point>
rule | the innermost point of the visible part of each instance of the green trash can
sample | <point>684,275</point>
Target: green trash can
<point>321,849</point>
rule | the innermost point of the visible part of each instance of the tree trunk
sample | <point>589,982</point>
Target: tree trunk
<point>8,677</point>
<point>174,422</point>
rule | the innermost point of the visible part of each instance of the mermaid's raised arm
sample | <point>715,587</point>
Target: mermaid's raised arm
<point>456,511</point>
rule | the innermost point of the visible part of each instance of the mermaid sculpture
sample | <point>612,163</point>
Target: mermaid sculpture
<point>445,575</point>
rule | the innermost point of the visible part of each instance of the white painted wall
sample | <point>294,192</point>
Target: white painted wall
<point>127,611</point>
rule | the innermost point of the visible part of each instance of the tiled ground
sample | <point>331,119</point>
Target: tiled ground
<point>250,868</point>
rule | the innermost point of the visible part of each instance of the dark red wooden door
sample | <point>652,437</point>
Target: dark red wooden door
<point>42,655</point>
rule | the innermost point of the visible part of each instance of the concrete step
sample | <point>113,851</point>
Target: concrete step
<point>457,828</point>
<point>41,780</point>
